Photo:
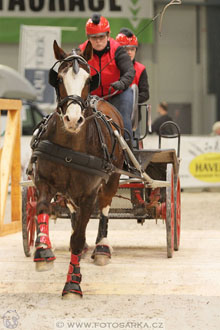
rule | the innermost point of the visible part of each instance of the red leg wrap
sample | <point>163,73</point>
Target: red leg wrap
<point>43,218</point>
<point>43,228</point>
<point>73,274</point>
<point>43,240</point>
<point>75,259</point>
<point>72,284</point>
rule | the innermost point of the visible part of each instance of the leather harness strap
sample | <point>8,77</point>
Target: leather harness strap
<point>74,159</point>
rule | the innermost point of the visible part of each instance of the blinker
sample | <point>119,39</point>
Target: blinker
<point>53,77</point>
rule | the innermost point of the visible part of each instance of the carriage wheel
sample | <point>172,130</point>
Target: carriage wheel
<point>29,203</point>
<point>170,211</point>
<point>177,212</point>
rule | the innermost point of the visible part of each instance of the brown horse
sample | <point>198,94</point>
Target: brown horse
<point>75,154</point>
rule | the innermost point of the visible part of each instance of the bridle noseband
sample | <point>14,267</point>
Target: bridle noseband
<point>75,99</point>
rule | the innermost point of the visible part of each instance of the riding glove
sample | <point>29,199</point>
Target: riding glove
<point>118,85</point>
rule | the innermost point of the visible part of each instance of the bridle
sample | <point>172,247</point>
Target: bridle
<point>75,99</point>
<point>53,80</point>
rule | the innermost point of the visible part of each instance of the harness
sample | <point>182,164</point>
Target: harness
<point>80,161</point>
<point>92,101</point>
<point>74,159</point>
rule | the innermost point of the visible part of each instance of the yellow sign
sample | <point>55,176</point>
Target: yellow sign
<point>206,167</point>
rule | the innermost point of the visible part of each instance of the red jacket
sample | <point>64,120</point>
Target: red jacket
<point>110,73</point>
<point>139,68</point>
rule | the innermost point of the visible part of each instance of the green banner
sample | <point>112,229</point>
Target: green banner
<point>10,28</point>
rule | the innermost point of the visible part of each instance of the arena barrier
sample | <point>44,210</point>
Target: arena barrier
<point>10,167</point>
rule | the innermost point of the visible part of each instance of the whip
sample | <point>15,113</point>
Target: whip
<point>161,13</point>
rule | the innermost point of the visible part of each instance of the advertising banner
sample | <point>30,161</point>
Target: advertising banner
<point>36,57</point>
<point>200,159</point>
<point>133,14</point>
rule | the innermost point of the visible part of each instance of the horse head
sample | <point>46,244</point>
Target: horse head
<point>72,85</point>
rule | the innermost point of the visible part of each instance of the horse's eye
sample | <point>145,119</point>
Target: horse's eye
<point>60,80</point>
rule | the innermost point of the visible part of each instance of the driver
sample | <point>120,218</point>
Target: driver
<point>114,67</point>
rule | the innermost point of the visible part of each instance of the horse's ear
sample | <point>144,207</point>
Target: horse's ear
<point>88,51</point>
<point>58,52</point>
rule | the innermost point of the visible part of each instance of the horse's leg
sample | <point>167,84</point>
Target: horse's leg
<point>103,225</point>
<point>72,286</point>
<point>103,250</point>
<point>43,256</point>
<point>73,224</point>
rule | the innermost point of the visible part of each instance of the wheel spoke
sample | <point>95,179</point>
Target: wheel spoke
<point>170,211</point>
<point>177,218</point>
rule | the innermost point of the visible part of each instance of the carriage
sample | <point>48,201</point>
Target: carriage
<point>149,181</point>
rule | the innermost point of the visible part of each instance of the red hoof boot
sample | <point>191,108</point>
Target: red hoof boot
<point>73,277</point>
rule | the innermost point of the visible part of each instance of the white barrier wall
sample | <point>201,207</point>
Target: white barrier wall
<point>200,159</point>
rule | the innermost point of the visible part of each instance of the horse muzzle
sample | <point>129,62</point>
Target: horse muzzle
<point>73,124</point>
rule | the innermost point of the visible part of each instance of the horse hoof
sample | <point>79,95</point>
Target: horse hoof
<point>43,266</point>
<point>101,260</point>
<point>71,296</point>
<point>101,255</point>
